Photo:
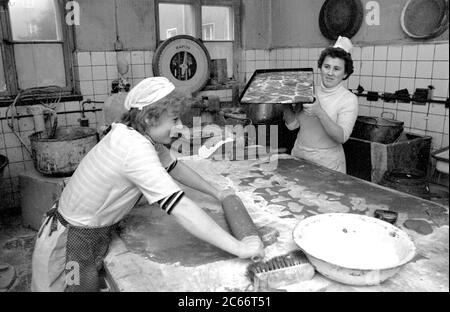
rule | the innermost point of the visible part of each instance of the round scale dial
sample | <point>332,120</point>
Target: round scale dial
<point>185,61</point>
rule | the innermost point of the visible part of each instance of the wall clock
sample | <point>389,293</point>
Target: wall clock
<point>185,61</point>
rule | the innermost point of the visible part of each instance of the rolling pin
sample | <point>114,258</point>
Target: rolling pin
<point>238,219</point>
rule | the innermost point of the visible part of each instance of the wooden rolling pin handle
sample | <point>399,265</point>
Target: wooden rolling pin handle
<point>238,219</point>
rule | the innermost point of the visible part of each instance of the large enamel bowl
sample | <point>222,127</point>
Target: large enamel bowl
<point>353,249</point>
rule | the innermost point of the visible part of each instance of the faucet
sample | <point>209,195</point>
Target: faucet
<point>84,122</point>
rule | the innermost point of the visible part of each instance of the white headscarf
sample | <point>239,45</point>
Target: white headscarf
<point>148,91</point>
<point>344,43</point>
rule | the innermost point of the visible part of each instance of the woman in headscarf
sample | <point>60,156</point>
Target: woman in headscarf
<point>328,122</point>
<point>130,161</point>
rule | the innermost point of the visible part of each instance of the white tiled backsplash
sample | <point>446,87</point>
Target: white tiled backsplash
<point>377,68</point>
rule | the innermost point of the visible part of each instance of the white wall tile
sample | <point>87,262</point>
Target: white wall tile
<point>394,53</point>
<point>314,53</point>
<point>84,59</point>
<point>391,106</point>
<point>287,54</point>
<point>86,88</point>
<point>408,69</point>
<point>378,84</point>
<point>266,55</point>
<point>137,57</point>
<point>393,68</point>
<point>353,82</point>
<point>111,58</point>
<point>98,58</point>
<point>296,54</point>
<point>422,83</point>
<point>379,68</point>
<point>260,64</point>
<point>99,72</point>
<point>441,87</point>
<point>356,53</point>
<point>407,83</point>
<point>366,68</point>
<point>100,87</point>
<point>391,84</point>
<point>440,70</point>
<point>85,73</point>
<point>445,140</point>
<point>280,55</point>
<point>424,69</point>
<point>273,55</point>
<point>376,111</point>
<point>250,66</point>
<point>138,71</point>
<point>304,54</point>
<point>363,110</point>
<point>366,82</point>
<point>437,109</point>
<point>425,52</point>
<point>436,140</point>
<point>418,121</point>
<point>409,53</point>
<point>14,154</point>
<point>259,55</point>
<point>404,106</point>
<point>436,123</point>
<point>441,52</point>
<point>376,103</point>
<point>11,140</point>
<point>367,53</point>
<point>380,53</point>
<point>148,57</point>
<point>111,72</point>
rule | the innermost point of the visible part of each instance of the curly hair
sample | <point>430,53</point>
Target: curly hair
<point>338,53</point>
<point>149,116</point>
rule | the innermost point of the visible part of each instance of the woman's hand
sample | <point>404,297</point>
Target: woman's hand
<point>313,109</point>
<point>251,246</point>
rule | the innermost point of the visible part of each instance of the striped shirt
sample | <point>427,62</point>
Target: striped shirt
<point>110,179</point>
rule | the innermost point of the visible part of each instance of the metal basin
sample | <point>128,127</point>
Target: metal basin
<point>61,154</point>
<point>264,113</point>
<point>353,249</point>
<point>377,129</point>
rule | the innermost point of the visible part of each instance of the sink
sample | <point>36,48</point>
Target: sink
<point>60,154</point>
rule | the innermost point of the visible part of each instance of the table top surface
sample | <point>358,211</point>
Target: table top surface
<point>154,253</point>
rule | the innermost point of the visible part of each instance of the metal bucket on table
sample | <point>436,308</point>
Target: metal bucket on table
<point>377,129</point>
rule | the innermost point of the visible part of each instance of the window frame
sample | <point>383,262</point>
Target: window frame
<point>7,48</point>
<point>197,5</point>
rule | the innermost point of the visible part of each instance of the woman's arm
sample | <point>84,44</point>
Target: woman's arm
<point>200,224</point>
<point>332,129</point>
<point>183,174</point>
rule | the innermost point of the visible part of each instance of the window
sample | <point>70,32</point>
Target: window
<point>175,16</point>
<point>35,46</point>
<point>207,31</point>
<point>220,16</point>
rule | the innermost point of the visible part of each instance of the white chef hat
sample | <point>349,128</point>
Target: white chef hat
<point>148,91</point>
<point>344,43</point>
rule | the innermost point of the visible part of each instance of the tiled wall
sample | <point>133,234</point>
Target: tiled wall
<point>96,71</point>
<point>381,69</point>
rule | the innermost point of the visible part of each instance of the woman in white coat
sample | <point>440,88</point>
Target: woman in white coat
<point>328,122</point>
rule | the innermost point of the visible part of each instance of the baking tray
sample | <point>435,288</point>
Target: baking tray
<point>279,86</point>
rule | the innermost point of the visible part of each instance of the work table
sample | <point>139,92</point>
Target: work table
<point>153,253</point>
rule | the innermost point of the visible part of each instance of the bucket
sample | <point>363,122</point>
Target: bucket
<point>377,129</point>
<point>61,154</point>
